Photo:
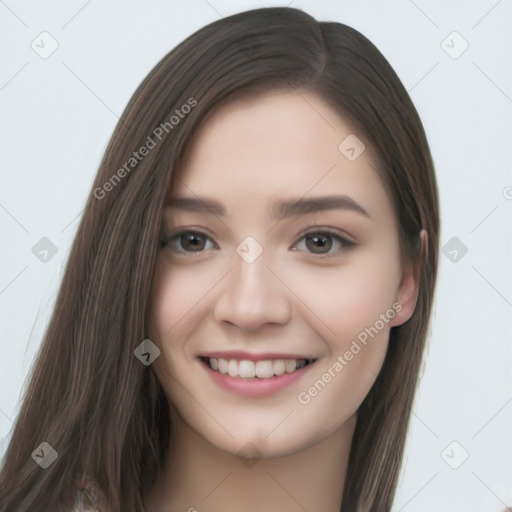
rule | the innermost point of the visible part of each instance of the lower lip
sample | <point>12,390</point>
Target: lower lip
<point>255,386</point>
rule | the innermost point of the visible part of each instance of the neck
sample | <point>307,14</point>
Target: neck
<point>199,476</point>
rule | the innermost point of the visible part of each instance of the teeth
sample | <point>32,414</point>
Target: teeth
<point>233,368</point>
<point>279,367</point>
<point>264,369</point>
<point>246,369</point>
<point>223,365</point>
<point>290,365</point>
<point>261,369</point>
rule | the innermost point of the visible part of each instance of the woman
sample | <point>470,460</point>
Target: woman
<point>246,304</point>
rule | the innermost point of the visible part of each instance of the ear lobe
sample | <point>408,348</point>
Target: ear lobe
<point>407,295</point>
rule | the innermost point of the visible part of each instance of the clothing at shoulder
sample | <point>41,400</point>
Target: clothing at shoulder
<point>85,502</point>
<point>88,498</point>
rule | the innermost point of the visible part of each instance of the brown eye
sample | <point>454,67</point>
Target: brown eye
<point>321,241</point>
<point>187,241</point>
<point>324,244</point>
<point>192,241</point>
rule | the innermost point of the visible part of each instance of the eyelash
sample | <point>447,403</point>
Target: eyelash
<point>343,242</point>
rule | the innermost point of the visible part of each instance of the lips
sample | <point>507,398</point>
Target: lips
<point>255,375</point>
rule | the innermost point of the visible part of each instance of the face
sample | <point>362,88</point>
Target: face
<point>279,278</point>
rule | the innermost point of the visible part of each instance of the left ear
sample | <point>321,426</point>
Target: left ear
<point>407,294</point>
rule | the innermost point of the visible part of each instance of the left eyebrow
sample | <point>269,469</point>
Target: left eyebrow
<point>303,206</point>
<point>280,209</point>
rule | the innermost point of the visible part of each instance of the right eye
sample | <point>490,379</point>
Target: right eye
<point>187,241</point>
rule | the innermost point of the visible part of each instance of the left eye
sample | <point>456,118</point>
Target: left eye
<point>321,243</point>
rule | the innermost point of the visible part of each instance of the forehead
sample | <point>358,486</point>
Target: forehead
<point>285,144</point>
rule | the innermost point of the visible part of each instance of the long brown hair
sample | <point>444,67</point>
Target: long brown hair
<point>102,410</point>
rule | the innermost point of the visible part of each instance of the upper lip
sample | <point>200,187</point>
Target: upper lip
<point>248,356</point>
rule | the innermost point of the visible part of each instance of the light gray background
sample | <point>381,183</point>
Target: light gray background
<point>58,113</point>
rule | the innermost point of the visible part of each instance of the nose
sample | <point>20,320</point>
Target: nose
<point>252,296</point>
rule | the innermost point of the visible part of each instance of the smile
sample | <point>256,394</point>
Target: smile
<point>260,376</point>
<point>246,369</point>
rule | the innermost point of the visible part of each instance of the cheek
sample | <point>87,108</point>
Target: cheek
<point>352,310</point>
<point>174,294</point>
<point>177,297</point>
<point>180,302</point>
<point>358,315</point>
<point>348,298</point>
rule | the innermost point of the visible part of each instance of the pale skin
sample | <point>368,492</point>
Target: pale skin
<point>247,156</point>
